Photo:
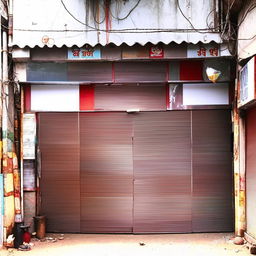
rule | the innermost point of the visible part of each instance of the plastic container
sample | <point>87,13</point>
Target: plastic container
<point>18,234</point>
<point>40,223</point>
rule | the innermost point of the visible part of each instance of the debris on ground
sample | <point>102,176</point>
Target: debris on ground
<point>10,251</point>
<point>10,241</point>
<point>142,244</point>
<point>61,237</point>
<point>253,250</point>
<point>50,239</point>
<point>24,247</point>
<point>238,240</point>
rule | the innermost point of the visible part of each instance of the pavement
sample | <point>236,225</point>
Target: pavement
<point>203,244</point>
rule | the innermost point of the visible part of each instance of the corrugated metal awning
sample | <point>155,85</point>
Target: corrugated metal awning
<point>76,22</point>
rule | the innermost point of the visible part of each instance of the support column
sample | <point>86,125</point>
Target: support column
<point>239,169</point>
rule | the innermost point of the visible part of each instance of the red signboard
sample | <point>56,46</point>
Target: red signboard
<point>156,52</point>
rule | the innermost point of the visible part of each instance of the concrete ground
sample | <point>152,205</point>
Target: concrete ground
<point>205,244</point>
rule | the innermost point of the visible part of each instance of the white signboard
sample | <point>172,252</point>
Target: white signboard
<point>247,83</point>
<point>55,98</point>
<point>206,94</point>
<point>29,136</point>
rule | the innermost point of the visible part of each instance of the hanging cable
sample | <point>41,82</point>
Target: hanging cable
<point>128,14</point>
<point>83,23</point>
<point>197,30</point>
<point>95,14</point>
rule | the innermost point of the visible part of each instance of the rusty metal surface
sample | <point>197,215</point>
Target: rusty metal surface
<point>212,171</point>
<point>106,173</point>
<point>123,97</point>
<point>162,172</point>
<point>60,182</point>
<point>250,172</point>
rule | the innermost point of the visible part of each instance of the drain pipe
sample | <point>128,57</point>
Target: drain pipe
<point>10,21</point>
<point>1,179</point>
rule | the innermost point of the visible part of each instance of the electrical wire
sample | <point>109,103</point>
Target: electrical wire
<point>135,30</point>
<point>227,18</point>
<point>250,38</point>
<point>127,30</point>
<point>197,30</point>
<point>73,16</point>
<point>94,15</point>
<point>128,14</point>
<point>250,8</point>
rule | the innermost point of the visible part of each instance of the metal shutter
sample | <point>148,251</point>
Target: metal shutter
<point>60,182</point>
<point>106,173</point>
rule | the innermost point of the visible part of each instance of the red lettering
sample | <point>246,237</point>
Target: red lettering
<point>214,52</point>
<point>201,52</point>
<point>76,52</point>
<point>87,53</point>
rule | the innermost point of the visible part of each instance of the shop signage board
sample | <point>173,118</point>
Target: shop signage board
<point>29,136</point>
<point>202,51</point>
<point>87,52</point>
<point>247,83</point>
<point>156,52</point>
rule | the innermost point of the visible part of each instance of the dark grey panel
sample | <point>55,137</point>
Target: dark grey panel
<point>174,70</point>
<point>140,71</point>
<point>47,71</point>
<point>90,72</point>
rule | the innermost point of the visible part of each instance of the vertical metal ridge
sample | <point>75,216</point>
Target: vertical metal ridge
<point>212,171</point>
<point>191,166</point>
<point>133,175</point>
<point>79,139</point>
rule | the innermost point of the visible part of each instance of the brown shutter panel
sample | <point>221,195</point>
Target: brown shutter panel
<point>60,182</point>
<point>250,171</point>
<point>162,172</point>
<point>123,97</point>
<point>140,72</point>
<point>212,171</point>
<point>106,172</point>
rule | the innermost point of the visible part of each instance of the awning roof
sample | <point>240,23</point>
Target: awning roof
<point>76,22</point>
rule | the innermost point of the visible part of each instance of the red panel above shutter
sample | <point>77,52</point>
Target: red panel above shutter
<point>86,96</point>
<point>191,70</point>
